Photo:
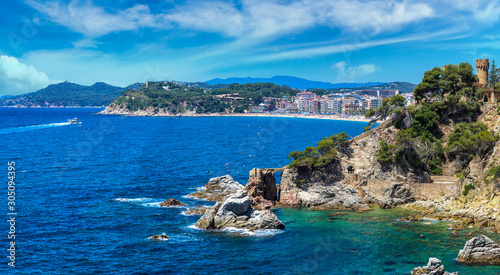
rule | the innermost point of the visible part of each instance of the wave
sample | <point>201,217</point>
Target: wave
<point>242,231</point>
<point>32,127</point>
<point>193,198</point>
<point>147,202</point>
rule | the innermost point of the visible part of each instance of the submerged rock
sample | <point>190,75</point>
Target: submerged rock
<point>160,237</point>
<point>236,211</point>
<point>480,250</point>
<point>217,189</point>
<point>171,202</point>
<point>434,267</point>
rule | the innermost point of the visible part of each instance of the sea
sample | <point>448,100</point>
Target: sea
<point>86,201</point>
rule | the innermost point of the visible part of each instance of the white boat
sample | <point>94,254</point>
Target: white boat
<point>74,121</point>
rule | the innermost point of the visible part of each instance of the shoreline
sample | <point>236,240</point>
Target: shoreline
<point>316,116</point>
<point>329,117</point>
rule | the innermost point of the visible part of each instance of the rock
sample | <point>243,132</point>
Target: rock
<point>198,210</point>
<point>261,187</point>
<point>171,202</point>
<point>236,211</point>
<point>397,194</point>
<point>160,237</point>
<point>481,250</point>
<point>217,189</point>
<point>433,267</point>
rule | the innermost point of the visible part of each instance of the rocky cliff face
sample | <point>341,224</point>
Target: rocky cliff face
<point>333,187</point>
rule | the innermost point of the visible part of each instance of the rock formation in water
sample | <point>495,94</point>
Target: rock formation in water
<point>434,267</point>
<point>236,211</point>
<point>262,188</point>
<point>217,189</point>
<point>480,250</point>
<point>171,202</point>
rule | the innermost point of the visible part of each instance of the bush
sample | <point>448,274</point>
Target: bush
<point>321,155</point>
<point>495,172</point>
<point>384,153</point>
<point>468,140</point>
<point>467,188</point>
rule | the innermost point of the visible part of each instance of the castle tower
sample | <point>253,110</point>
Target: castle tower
<point>482,68</point>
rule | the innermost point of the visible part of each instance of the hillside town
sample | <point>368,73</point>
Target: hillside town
<point>343,103</point>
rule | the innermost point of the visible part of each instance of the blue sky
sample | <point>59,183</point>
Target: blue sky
<point>123,42</point>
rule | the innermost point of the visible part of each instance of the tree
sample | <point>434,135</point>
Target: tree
<point>429,84</point>
<point>389,106</point>
<point>494,72</point>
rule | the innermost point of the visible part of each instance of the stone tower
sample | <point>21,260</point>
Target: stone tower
<point>482,68</point>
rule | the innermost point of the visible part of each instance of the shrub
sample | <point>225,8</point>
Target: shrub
<point>384,153</point>
<point>468,140</point>
<point>467,188</point>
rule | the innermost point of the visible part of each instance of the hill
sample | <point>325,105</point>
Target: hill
<point>169,98</point>
<point>66,94</point>
<point>290,81</point>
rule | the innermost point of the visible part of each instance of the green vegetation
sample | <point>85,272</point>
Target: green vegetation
<point>495,172</point>
<point>321,155</point>
<point>468,140</point>
<point>493,75</point>
<point>67,94</point>
<point>467,188</point>
<point>385,153</point>
<point>179,98</point>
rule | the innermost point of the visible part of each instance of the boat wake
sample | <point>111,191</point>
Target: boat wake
<point>32,127</point>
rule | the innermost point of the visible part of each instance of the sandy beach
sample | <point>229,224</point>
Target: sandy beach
<point>331,117</point>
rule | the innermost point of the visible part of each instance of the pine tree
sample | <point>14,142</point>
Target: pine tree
<point>494,78</point>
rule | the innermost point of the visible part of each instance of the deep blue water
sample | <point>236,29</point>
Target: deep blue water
<point>87,200</point>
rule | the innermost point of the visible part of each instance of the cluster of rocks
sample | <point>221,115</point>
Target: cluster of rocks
<point>237,205</point>
<point>236,211</point>
<point>433,267</point>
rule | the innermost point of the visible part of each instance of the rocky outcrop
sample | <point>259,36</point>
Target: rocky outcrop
<point>217,189</point>
<point>171,202</point>
<point>261,188</point>
<point>480,250</point>
<point>318,189</point>
<point>397,194</point>
<point>114,109</point>
<point>236,211</point>
<point>434,267</point>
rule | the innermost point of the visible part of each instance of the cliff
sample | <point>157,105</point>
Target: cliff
<point>373,183</point>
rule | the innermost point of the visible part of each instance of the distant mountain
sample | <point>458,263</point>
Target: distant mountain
<point>6,96</point>
<point>293,82</point>
<point>403,87</point>
<point>67,94</point>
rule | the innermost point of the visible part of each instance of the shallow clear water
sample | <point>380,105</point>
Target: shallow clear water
<point>87,200</point>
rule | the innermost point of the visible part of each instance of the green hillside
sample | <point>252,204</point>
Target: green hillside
<point>180,98</point>
<point>67,94</point>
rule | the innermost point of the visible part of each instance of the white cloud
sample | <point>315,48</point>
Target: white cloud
<point>18,78</point>
<point>351,74</point>
<point>94,21</point>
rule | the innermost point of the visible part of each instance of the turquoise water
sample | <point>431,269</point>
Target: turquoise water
<point>87,200</point>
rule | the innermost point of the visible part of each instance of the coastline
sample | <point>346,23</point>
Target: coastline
<point>330,117</point>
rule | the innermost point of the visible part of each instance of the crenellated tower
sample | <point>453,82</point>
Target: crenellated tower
<point>482,68</point>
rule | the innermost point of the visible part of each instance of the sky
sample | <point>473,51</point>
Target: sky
<point>121,42</point>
